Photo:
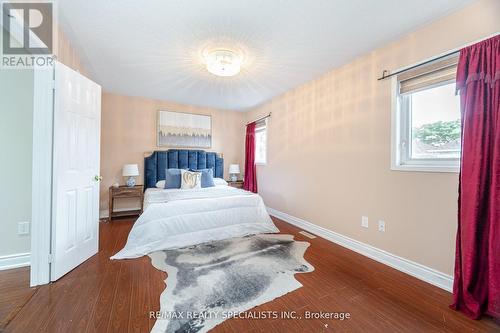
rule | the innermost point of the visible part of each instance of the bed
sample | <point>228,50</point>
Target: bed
<point>175,218</point>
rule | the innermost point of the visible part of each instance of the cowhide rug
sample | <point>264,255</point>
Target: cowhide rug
<point>207,283</point>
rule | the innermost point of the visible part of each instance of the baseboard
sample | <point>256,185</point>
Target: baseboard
<point>104,214</point>
<point>14,261</point>
<point>412,268</point>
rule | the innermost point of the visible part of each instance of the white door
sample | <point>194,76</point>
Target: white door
<point>75,210</point>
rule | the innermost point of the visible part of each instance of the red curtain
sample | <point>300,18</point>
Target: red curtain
<point>250,183</point>
<point>476,288</point>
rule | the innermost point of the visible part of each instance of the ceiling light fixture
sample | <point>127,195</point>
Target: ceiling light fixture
<point>222,62</point>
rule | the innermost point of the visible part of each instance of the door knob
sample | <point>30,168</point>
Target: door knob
<point>97,178</point>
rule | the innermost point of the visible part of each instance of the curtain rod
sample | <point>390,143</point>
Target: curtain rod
<point>384,76</point>
<point>457,50</point>
<point>259,119</point>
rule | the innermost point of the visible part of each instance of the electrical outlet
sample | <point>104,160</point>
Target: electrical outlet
<point>381,226</point>
<point>364,221</point>
<point>23,228</point>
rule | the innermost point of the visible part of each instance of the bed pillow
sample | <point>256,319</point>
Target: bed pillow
<point>220,181</point>
<point>207,177</point>
<point>190,180</point>
<point>160,184</point>
<point>173,178</point>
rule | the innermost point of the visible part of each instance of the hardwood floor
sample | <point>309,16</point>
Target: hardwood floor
<point>116,296</point>
<point>14,293</point>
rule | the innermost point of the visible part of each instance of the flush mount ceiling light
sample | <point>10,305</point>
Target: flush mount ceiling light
<point>223,62</point>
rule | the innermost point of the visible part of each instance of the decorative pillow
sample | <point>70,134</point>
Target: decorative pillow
<point>207,177</point>
<point>190,180</point>
<point>173,178</point>
<point>160,184</point>
<point>220,181</point>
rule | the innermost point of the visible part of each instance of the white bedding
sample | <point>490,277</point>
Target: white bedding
<point>177,218</point>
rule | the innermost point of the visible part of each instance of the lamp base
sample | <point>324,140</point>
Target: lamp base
<point>234,177</point>
<point>131,181</point>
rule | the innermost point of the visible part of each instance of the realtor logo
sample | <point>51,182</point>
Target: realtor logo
<point>27,34</point>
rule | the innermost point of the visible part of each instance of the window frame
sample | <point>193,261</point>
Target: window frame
<point>401,141</point>
<point>258,129</point>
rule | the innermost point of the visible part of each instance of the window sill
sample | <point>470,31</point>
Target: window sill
<point>426,168</point>
<point>261,163</point>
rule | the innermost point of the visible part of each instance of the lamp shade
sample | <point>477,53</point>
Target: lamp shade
<point>234,168</point>
<point>130,170</point>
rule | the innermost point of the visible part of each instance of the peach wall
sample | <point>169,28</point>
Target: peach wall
<point>67,55</point>
<point>329,149</point>
<point>128,130</point>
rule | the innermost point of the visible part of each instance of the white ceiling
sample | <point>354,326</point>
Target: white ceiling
<point>152,48</point>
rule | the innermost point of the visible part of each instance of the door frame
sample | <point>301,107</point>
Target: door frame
<point>41,207</point>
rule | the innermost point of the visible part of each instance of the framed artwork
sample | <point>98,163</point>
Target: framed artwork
<point>184,130</point>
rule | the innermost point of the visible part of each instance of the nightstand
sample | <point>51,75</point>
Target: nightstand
<point>125,192</point>
<point>237,184</point>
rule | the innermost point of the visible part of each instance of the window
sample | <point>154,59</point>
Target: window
<point>261,142</point>
<point>426,126</point>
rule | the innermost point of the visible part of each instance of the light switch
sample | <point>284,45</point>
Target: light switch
<point>364,221</point>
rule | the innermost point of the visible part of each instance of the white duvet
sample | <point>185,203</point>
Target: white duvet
<point>179,218</point>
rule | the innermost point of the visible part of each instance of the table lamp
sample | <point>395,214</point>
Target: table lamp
<point>234,171</point>
<point>130,171</point>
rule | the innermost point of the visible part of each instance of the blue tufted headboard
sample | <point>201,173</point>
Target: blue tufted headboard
<point>156,164</point>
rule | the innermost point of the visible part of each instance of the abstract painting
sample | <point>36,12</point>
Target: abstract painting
<point>186,130</point>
